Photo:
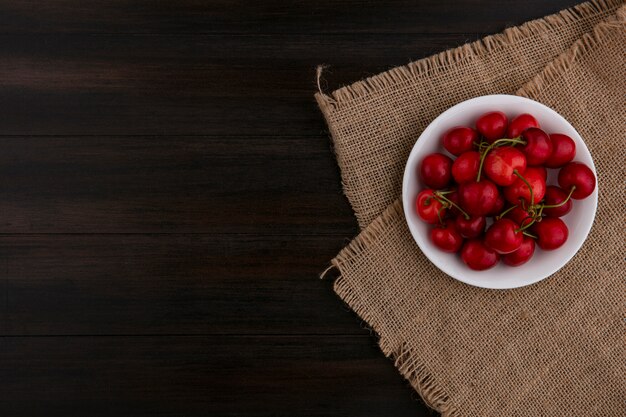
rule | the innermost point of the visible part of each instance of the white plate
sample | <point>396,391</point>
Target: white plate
<point>543,263</point>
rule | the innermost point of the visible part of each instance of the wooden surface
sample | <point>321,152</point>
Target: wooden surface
<point>169,196</point>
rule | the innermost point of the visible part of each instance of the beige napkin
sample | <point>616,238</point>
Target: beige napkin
<point>555,348</point>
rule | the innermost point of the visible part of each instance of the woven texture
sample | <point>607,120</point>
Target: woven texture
<point>555,348</point>
<point>374,123</point>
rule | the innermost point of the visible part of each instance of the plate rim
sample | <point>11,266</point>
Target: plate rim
<point>407,203</point>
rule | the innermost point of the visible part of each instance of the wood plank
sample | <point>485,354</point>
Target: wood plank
<point>249,16</point>
<point>169,196</point>
<point>169,284</point>
<point>273,185</point>
<point>200,376</point>
<point>186,84</point>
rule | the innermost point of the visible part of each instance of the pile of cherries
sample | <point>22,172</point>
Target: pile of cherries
<point>500,172</point>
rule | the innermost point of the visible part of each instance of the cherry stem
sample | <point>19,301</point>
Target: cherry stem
<point>444,192</point>
<point>562,202</point>
<point>529,235</point>
<point>439,214</point>
<point>501,215</point>
<point>451,203</point>
<point>532,197</point>
<point>521,229</point>
<point>499,142</point>
<point>540,211</point>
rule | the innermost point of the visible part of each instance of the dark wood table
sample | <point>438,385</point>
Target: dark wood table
<point>169,196</point>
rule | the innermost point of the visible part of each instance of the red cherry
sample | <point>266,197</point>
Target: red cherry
<point>543,171</point>
<point>478,198</point>
<point>428,206</point>
<point>498,206</point>
<point>551,233</point>
<point>519,190</point>
<point>446,237</point>
<point>563,151</point>
<point>501,163</point>
<point>555,196</point>
<point>504,236</point>
<point>522,254</point>
<point>477,256</point>
<point>519,216</point>
<point>472,227</point>
<point>538,146</point>
<point>519,124</point>
<point>492,125</point>
<point>436,170</point>
<point>459,139</point>
<point>579,175</point>
<point>465,167</point>
<point>454,197</point>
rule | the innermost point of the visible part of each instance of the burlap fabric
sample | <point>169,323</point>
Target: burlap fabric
<point>555,348</point>
<point>375,122</point>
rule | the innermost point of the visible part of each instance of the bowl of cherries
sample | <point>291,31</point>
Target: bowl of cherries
<point>499,191</point>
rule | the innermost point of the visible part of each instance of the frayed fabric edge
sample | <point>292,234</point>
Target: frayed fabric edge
<point>405,359</point>
<point>582,46</point>
<point>404,74</point>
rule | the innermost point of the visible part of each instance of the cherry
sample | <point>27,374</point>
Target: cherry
<point>492,125</point>
<point>519,189</point>
<point>446,237</point>
<point>465,167</point>
<point>519,216</point>
<point>504,236</point>
<point>538,146</point>
<point>522,254</point>
<point>551,233</point>
<point>519,124</point>
<point>501,163</point>
<point>428,207</point>
<point>477,256</point>
<point>563,150</point>
<point>453,211</point>
<point>498,206</point>
<point>579,175</point>
<point>555,196</point>
<point>543,171</point>
<point>478,198</point>
<point>514,156</point>
<point>459,139</point>
<point>436,170</point>
<point>472,227</point>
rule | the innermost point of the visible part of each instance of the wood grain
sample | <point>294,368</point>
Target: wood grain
<point>169,195</point>
<point>200,376</point>
<point>222,85</point>
<point>195,284</point>
<point>249,16</point>
<point>167,184</point>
